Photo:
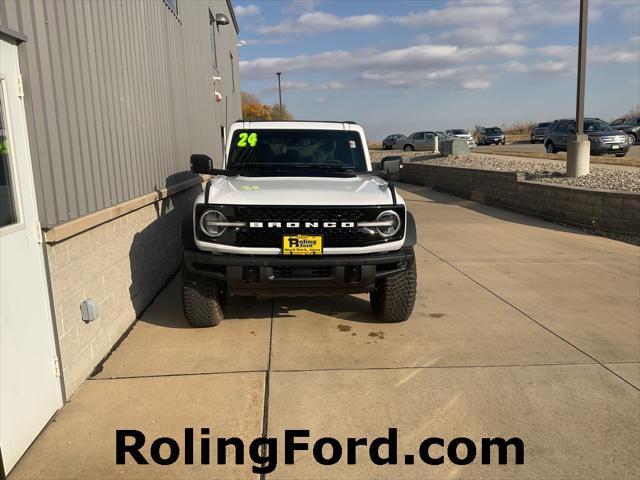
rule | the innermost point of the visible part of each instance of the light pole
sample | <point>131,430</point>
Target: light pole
<point>578,149</point>
<point>279,93</point>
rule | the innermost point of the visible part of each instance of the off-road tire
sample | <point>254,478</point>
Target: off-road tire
<point>393,297</point>
<point>201,300</point>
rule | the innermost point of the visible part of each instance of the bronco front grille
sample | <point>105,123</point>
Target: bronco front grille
<point>270,237</point>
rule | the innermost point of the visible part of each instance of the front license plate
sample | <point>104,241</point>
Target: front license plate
<point>302,245</point>
<point>615,147</point>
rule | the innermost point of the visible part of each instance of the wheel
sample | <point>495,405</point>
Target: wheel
<point>621,154</point>
<point>386,147</point>
<point>201,300</point>
<point>551,148</point>
<point>408,148</point>
<point>533,141</point>
<point>634,137</point>
<point>504,142</point>
<point>393,297</point>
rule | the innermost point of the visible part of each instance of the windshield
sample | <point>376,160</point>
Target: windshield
<point>597,126</point>
<point>631,120</point>
<point>545,124</point>
<point>459,132</point>
<point>493,131</point>
<point>296,150</point>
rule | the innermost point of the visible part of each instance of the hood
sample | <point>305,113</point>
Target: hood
<point>358,190</point>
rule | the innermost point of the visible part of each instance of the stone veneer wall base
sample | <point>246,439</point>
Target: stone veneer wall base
<point>122,263</point>
<point>596,210</point>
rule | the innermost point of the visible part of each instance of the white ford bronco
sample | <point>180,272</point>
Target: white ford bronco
<point>297,210</point>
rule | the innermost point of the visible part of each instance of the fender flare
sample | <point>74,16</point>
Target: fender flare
<point>411,235</point>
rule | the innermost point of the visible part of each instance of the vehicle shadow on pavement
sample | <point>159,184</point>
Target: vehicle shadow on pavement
<point>347,307</point>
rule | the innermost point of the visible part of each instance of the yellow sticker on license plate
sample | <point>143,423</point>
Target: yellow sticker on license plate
<point>302,245</point>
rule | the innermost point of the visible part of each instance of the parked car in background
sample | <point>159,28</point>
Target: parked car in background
<point>539,131</point>
<point>603,137</point>
<point>491,136</point>
<point>630,126</point>
<point>390,140</point>
<point>424,140</point>
<point>618,121</point>
<point>460,133</point>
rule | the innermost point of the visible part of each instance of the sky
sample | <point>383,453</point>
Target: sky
<point>405,65</point>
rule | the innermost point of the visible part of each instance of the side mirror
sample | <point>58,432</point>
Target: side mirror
<point>391,164</point>
<point>201,163</point>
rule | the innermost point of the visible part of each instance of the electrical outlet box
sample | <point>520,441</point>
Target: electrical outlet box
<point>89,310</point>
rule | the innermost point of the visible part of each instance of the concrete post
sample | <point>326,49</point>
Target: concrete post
<point>578,147</point>
<point>578,151</point>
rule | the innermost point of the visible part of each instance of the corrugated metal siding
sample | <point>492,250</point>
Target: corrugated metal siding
<point>118,95</point>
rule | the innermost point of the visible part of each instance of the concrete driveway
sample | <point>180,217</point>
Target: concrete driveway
<point>521,328</point>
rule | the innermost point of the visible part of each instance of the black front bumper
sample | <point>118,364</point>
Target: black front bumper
<point>298,275</point>
<point>606,148</point>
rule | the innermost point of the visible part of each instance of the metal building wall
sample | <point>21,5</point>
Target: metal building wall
<point>118,94</point>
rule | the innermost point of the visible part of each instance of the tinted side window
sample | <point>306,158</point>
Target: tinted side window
<point>561,127</point>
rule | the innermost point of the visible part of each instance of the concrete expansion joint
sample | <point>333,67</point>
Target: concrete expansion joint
<point>540,324</point>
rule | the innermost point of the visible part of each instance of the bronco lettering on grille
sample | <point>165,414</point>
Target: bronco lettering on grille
<point>276,224</point>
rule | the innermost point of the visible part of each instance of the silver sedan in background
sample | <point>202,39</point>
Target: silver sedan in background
<point>424,140</point>
<point>390,140</point>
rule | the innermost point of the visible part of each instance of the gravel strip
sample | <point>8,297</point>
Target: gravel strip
<point>377,155</point>
<point>549,172</point>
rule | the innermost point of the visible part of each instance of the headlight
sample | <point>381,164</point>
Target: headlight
<point>213,223</point>
<point>387,224</point>
<point>392,221</point>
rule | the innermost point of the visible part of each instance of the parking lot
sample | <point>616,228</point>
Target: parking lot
<point>634,152</point>
<point>521,328</point>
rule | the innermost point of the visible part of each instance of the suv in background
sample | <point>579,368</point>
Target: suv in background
<point>539,131</point>
<point>491,136</point>
<point>460,133</point>
<point>604,139</point>
<point>297,211</point>
<point>630,126</point>
<point>417,141</point>
<point>390,140</point>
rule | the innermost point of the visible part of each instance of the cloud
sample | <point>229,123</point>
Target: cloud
<point>300,6</point>
<point>411,58</point>
<point>320,22</point>
<point>246,10</point>
<point>457,13</point>
<point>475,84</point>
<point>484,35</point>
<point>302,86</point>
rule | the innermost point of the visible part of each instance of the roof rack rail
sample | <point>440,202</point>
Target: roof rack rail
<point>298,121</point>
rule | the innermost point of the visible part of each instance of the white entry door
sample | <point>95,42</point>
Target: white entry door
<point>30,390</point>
